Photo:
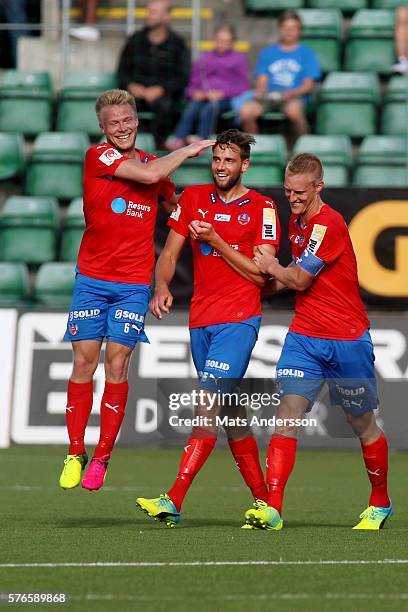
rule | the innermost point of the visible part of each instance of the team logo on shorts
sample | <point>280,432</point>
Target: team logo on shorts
<point>73,329</point>
<point>244,219</point>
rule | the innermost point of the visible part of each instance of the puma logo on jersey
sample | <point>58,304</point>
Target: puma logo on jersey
<point>70,408</point>
<point>375,473</point>
<point>186,448</point>
<point>114,408</point>
<point>138,329</point>
<point>203,212</point>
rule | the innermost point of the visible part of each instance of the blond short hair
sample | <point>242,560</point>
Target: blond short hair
<point>114,97</point>
<point>306,163</point>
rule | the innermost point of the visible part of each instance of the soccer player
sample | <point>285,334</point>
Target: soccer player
<point>225,221</point>
<point>114,271</point>
<point>328,340</point>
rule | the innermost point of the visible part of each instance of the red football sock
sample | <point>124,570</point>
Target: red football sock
<point>112,412</point>
<point>195,454</point>
<point>246,456</point>
<point>79,406</point>
<point>376,461</point>
<point>279,465</point>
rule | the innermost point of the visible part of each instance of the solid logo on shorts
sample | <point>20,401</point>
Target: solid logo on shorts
<point>218,365</point>
<point>127,314</point>
<point>118,205</point>
<point>290,372</point>
<point>109,156</point>
<point>89,313</point>
<point>316,238</point>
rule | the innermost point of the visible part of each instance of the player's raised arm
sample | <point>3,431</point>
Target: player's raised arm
<point>158,169</point>
<point>165,268</point>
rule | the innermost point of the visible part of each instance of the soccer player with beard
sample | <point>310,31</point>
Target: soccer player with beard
<point>114,273</point>
<point>328,341</point>
<point>226,222</point>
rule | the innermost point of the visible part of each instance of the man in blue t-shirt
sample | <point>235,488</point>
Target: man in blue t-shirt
<point>286,74</point>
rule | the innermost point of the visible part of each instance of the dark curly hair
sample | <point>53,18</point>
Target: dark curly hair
<point>242,140</point>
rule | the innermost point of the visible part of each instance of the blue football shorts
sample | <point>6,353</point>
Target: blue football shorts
<point>347,366</point>
<point>105,309</point>
<point>221,353</point>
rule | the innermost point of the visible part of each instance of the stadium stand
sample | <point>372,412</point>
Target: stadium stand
<point>55,165</point>
<point>26,100</point>
<point>395,115</point>
<point>323,32</point>
<point>388,4</point>
<point>268,159</point>
<point>53,283</point>
<point>348,104</point>
<point>73,230</point>
<point>28,229</point>
<point>76,104</point>
<point>14,287</point>
<point>370,41</point>
<point>381,161</point>
<point>345,6</point>
<point>271,7</point>
<point>335,153</point>
<point>11,155</point>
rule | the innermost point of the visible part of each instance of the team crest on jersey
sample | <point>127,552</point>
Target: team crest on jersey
<point>316,238</point>
<point>108,157</point>
<point>268,224</point>
<point>73,329</point>
<point>244,219</point>
<point>175,215</point>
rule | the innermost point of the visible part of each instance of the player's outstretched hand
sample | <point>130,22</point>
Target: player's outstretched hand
<point>195,148</point>
<point>202,231</point>
<point>161,301</point>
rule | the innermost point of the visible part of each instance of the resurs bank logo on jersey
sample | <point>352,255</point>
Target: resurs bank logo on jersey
<point>132,209</point>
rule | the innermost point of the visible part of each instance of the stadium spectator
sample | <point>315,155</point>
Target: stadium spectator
<point>328,342</point>
<point>15,12</point>
<point>225,312</point>
<point>154,66</point>
<point>88,31</point>
<point>286,75</point>
<point>216,77</point>
<point>401,40</point>
<point>114,273</point>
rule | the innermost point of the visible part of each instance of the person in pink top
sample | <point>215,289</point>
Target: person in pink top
<point>216,78</point>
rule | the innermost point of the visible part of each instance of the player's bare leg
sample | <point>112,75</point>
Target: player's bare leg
<point>78,409</point>
<point>117,359</point>
<point>279,465</point>
<point>375,454</point>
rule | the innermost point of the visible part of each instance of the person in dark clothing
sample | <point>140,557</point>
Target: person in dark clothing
<point>154,67</point>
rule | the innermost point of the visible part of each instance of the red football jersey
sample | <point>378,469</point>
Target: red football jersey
<point>221,295</point>
<point>331,307</point>
<point>120,216</point>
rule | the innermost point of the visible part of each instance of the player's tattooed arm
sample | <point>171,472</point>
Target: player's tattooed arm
<point>204,232</point>
<point>292,277</point>
<point>158,169</point>
<point>162,299</point>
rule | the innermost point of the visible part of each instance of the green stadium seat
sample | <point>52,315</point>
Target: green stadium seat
<point>13,284</point>
<point>268,159</point>
<point>348,104</point>
<point>28,229</point>
<point>192,174</point>
<point>54,283</point>
<point>382,161</point>
<point>56,165</point>
<point>73,230</point>
<point>271,6</point>
<point>145,141</point>
<point>388,4</point>
<point>345,6</point>
<point>11,155</point>
<point>370,41</point>
<point>394,114</point>
<point>323,32</point>
<point>26,102</point>
<point>263,175</point>
<point>76,105</point>
<point>335,153</point>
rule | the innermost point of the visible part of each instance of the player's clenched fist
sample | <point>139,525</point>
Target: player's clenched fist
<point>200,230</point>
<point>161,301</point>
<point>264,260</point>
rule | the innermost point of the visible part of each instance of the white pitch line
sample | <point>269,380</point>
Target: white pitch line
<point>206,563</point>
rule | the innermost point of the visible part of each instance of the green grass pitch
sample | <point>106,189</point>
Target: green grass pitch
<point>42,524</point>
